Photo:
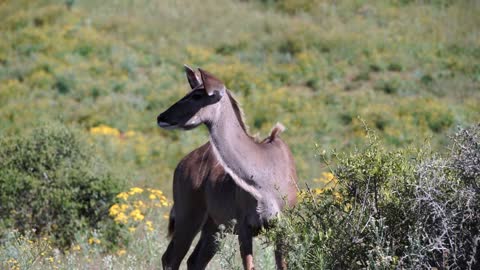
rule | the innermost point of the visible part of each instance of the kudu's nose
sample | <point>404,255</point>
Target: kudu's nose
<point>164,122</point>
<point>161,118</point>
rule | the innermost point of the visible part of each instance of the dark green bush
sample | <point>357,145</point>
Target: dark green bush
<point>391,209</point>
<point>50,182</point>
<point>395,67</point>
<point>388,86</point>
<point>290,6</point>
<point>65,84</point>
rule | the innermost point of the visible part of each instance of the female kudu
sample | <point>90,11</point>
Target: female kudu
<point>231,177</point>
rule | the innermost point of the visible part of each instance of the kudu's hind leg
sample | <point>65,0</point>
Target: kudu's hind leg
<point>206,247</point>
<point>186,227</point>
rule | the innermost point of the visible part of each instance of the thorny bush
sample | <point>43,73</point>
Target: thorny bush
<point>409,209</point>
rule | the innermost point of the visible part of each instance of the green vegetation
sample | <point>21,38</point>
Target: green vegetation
<point>105,69</point>
<point>386,209</point>
<point>51,184</point>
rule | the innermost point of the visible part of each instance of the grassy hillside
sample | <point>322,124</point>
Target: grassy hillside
<point>410,70</point>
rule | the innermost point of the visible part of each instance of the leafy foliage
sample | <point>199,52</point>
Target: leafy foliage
<point>409,68</point>
<point>390,209</point>
<point>302,63</point>
<point>50,182</point>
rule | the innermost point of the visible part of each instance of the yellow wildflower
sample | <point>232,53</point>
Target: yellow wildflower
<point>164,202</point>
<point>117,209</point>
<point>13,264</point>
<point>121,218</point>
<point>124,207</point>
<point>152,197</point>
<point>93,240</point>
<point>327,178</point>
<point>105,130</point>
<point>139,204</point>
<point>338,196</point>
<point>121,252</point>
<point>157,192</point>
<point>149,225</point>
<point>114,210</point>
<point>137,215</point>
<point>135,190</point>
<point>301,195</point>
<point>76,248</point>
<point>123,195</point>
<point>12,261</point>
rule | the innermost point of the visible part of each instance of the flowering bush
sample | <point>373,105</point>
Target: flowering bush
<point>134,205</point>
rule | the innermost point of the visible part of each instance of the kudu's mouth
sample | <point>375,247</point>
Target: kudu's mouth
<point>166,125</point>
<point>161,121</point>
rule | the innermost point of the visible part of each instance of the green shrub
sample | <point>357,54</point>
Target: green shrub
<point>345,228</point>
<point>291,6</point>
<point>390,209</point>
<point>50,182</point>
<point>395,67</point>
<point>388,86</point>
<point>65,84</point>
<point>436,115</point>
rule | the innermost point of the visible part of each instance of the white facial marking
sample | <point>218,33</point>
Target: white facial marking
<point>193,121</point>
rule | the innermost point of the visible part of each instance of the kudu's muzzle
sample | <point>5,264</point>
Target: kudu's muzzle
<point>164,122</point>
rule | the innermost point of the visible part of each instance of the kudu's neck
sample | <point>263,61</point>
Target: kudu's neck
<point>238,152</point>
<point>227,124</point>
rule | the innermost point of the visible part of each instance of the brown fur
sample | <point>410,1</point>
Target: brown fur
<point>171,224</point>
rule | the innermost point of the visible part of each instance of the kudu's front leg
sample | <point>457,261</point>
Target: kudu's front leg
<point>206,247</point>
<point>245,239</point>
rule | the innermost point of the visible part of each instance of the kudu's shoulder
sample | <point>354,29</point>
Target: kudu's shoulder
<point>198,165</point>
<point>200,155</point>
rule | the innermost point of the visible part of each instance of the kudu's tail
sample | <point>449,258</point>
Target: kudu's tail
<point>171,222</point>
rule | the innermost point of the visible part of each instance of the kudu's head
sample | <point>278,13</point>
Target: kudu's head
<point>200,105</point>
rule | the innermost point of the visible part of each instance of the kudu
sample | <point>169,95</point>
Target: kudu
<point>233,176</point>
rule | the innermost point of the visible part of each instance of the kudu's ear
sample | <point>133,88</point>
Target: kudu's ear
<point>211,83</point>
<point>193,78</point>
